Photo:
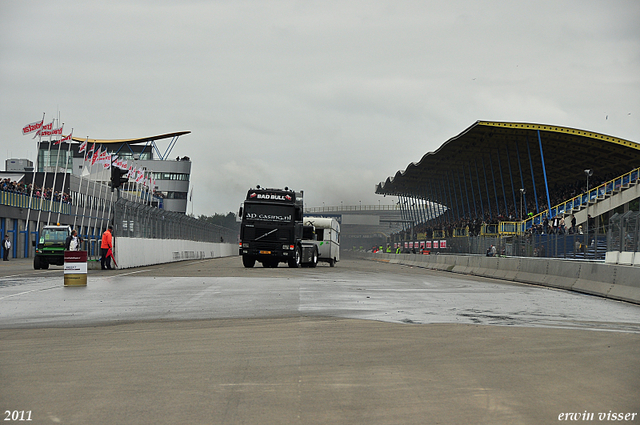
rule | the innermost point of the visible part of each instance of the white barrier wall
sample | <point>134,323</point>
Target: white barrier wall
<point>135,252</point>
<point>614,281</point>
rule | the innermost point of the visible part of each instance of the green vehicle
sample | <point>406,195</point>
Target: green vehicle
<point>50,247</point>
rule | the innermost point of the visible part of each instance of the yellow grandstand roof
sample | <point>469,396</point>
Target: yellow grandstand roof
<point>130,141</point>
<point>509,153</point>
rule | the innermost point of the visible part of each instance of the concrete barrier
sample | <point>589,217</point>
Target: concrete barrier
<point>136,252</point>
<point>596,279</point>
<point>488,267</point>
<point>611,257</point>
<point>562,274</point>
<point>626,258</point>
<point>627,284</point>
<point>614,281</point>
<point>461,265</point>
<point>531,270</point>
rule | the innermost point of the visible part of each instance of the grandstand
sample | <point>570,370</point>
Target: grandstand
<point>504,179</point>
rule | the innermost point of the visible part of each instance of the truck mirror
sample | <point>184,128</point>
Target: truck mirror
<point>33,243</point>
<point>240,212</point>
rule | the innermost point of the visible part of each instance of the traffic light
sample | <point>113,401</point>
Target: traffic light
<point>118,176</point>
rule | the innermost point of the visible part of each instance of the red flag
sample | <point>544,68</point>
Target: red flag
<point>82,147</point>
<point>34,126</point>
<point>96,154</point>
<point>44,130</point>
<point>105,158</point>
<point>110,254</point>
<point>64,139</point>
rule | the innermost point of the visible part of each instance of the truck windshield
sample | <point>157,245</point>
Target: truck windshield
<point>272,213</point>
<point>54,235</point>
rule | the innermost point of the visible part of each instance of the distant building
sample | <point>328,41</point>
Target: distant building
<point>172,177</point>
<point>18,165</point>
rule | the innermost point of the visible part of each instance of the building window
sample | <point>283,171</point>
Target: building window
<point>176,195</point>
<point>171,176</point>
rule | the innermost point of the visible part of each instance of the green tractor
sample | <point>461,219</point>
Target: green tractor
<point>50,247</point>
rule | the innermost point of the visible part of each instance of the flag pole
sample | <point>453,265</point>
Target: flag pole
<point>86,197</point>
<point>33,179</point>
<point>102,226</point>
<point>44,181</point>
<point>64,180</point>
<point>55,175</point>
<point>84,160</point>
<point>93,197</point>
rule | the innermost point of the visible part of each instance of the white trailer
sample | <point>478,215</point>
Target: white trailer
<point>327,232</point>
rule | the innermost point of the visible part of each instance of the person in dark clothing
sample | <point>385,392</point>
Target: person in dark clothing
<point>6,247</point>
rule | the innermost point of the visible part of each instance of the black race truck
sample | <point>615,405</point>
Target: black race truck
<point>271,230</point>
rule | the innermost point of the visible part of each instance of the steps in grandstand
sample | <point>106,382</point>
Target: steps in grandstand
<point>591,199</point>
<point>569,246</point>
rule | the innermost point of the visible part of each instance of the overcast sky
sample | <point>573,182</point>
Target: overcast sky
<point>329,97</point>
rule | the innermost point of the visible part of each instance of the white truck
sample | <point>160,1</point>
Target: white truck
<point>327,231</point>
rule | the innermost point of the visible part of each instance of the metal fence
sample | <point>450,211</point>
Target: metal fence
<point>136,220</point>
<point>624,232</point>
<point>92,212</point>
<point>592,245</point>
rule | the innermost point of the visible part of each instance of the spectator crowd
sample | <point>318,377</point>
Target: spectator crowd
<point>8,185</point>
<point>447,223</point>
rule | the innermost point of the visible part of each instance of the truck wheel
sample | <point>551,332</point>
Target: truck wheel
<point>44,265</point>
<point>248,262</point>
<point>36,262</point>
<point>294,263</point>
<point>314,259</point>
<point>332,263</point>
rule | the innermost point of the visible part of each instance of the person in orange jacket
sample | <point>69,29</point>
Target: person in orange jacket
<point>105,246</point>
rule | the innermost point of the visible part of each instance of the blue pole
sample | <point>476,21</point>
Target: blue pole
<point>439,201</point>
<point>535,192</point>
<point>513,188</point>
<point>431,196</point>
<point>544,171</point>
<point>473,193</point>
<point>447,201</point>
<point>452,197</point>
<point>524,195</point>
<point>495,190</point>
<point>504,193</point>
<point>480,187</point>
<point>466,191</point>
<point>401,210</point>
<point>464,211</point>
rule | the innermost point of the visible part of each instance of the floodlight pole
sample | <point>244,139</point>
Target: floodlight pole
<point>586,234</point>
<point>522,192</point>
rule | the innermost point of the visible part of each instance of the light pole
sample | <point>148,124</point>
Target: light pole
<point>522,192</point>
<point>586,234</point>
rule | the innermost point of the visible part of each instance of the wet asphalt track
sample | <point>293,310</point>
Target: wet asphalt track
<point>364,342</point>
<point>222,289</point>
